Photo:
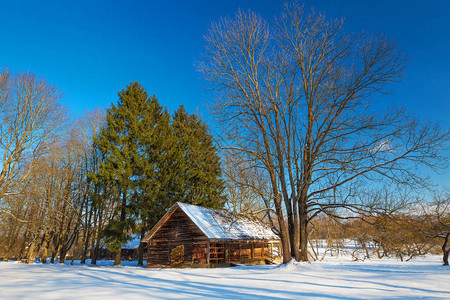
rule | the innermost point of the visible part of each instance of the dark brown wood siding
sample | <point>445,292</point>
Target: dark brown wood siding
<point>177,230</point>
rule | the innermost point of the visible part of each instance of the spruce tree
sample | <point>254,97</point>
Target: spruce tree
<point>127,142</point>
<point>198,174</point>
<point>155,144</point>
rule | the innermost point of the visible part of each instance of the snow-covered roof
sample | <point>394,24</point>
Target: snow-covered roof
<point>222,224</point>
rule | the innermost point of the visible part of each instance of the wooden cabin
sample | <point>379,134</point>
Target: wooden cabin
<point>129,251</point>
<point>209,237</point>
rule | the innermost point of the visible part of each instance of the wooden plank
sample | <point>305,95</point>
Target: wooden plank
<point>207,254</point>
<point>225,253</point>
<point>240,256</point>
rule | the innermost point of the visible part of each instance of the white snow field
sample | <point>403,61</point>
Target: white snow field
<point>332,279</point>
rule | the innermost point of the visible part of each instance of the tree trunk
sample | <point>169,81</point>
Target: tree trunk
<point>44,254</point>
<point>365,249</point>
<point>94,255</point>
<point>62,256</point>
<point>30,256</point>
<point>86,236</point>
<point>85,248</point>
<point>22,248</point>
<point>290,226</point>
<point>285,244</point>
<point>52,260</point>
<point>446,249</point>
<point>303,216</point>
<point>55,253</point>
<point>96,241</point>
<point>45,246</point>
<point>141,249</point>
<point>295,243</point>
<point>284,232</point>
<point>117,259</point>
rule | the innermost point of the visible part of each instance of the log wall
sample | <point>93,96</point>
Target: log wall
<point>177,230</point>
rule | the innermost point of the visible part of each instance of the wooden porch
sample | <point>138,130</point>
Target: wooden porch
<point>219,253</point>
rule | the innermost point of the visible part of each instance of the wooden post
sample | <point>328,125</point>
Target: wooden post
<point>262,250</point>
<point>168,253</point>
<point>240,259</point>
<point>252,251</point>
<point>225,251</point>
<point>270,245</point>
<point>192,251</point>
<point>208,253</point>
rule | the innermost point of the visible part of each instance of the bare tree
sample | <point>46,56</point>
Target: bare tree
<point>52,203</point>
<point>89,126</point>
<point>30,121</point>
<point>296,99</point>
<point>437,216</point>
<point>246,187</point>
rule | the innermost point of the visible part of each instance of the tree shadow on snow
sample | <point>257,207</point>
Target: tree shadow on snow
<point>198,289</point>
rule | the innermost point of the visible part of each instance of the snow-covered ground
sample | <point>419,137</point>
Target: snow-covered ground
<point>340,279</point>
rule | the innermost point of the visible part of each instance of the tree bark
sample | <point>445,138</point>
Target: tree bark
<point>295,244</point>
<point>52,260</point>
<point>44,254</point>
<point>87,233</point>
<point>45,246</point>
<point>141,249</point>
<point>284,232</point>
<point>30,256</point>
<point>303,216</point>
<point>118,258</point>
<point>96,241</point>
<point>94,255</point>
<point>62,256</point>
<point>445,250</point>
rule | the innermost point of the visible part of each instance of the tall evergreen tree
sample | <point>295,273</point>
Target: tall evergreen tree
<point>155,144</point>
<point>127,136</point>
<point>198,174</point>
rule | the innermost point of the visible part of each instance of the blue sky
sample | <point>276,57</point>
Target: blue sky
<point>93,49</point>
